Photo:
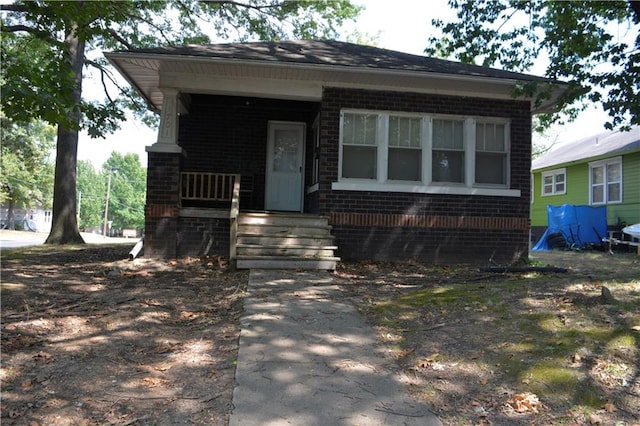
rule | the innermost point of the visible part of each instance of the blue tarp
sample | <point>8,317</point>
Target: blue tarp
<point>579,225</point>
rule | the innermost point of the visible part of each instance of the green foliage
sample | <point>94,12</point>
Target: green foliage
<point>92,190</point>
<point>26,169</point>
<point>584,41</point>
<point>128,190</point>
<point>37,81</point>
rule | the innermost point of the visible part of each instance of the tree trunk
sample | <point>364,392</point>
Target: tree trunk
<point>11,219</point>
<point>64,222</point>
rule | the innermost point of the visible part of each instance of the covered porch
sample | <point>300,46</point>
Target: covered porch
<point>228,158</point>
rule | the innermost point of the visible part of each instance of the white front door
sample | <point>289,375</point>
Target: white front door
<point>285,156</point>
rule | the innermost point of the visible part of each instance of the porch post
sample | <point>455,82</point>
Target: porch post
<point>169,122</point>
<point>162,208</point>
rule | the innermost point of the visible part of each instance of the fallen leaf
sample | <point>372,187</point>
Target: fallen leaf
<point>43,356</point>
<point>524,402</point>
<point>609,407</point>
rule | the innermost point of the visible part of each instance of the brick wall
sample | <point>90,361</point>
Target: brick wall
<point>203,236</point>
<point>162,205</point>
<point>427,227</point>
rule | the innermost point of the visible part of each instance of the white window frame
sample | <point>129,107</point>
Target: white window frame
<point>382,184</point>
<point>507,141</point>
<point>605,191</point>
<point>554,185</point>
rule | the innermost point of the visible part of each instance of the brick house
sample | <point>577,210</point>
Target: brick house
<point>394,156</point>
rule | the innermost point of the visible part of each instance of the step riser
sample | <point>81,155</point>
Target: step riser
<point>329,265</point>
<point>283,221</point>
<point>289,240</point>
<point>294,252</point>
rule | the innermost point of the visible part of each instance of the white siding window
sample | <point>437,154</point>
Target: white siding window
<point>405,152</point>
<point>554,182</point>
<point>605,181</point>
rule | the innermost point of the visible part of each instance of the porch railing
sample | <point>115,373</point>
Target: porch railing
<point>199,186</point>
<point>215,187</point>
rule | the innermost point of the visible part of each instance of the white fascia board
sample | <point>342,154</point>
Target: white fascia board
<point>254,87</point>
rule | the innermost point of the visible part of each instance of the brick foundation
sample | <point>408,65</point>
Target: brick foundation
<point>163,204</point>
<point>203,236</point>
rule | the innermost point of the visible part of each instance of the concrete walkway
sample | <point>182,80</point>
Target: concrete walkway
<point>307,359</point>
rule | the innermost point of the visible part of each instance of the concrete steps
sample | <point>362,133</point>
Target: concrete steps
<point>284,241</point>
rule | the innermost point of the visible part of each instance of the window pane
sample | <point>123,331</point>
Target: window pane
<point>404,131</point>
<point>448,166</point>
<point>491,168</point>
<point>597,195</point>
<point>359,162</point>
<point>548,189</point>
<point>447,134</point>
<point>560,177</point>
<point>560,187</point>
<point>490,137</point>
<point>359,129</point>
<point>613,192</point>
<point>613,172</point>
<point>405,164</point>
<point>285,151</point>
<point>597,175</point>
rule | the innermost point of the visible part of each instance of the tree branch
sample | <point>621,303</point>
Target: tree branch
<point>103,73</point>
<point>41,34</point>
<point>635,6</point>
<point>117,36</point>
<point>245,5</point>
<point>14,7</point>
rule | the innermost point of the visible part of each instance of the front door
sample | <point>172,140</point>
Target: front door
<point>285,156</point>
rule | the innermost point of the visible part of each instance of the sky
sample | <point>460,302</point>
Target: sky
<point>404,27</point>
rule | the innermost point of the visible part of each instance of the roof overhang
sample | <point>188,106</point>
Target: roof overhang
<point>149,73</point>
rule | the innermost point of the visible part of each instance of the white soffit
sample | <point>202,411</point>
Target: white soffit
<point>148,73</point>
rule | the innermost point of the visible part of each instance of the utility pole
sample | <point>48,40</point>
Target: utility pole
<point>106,206</point>
<point>79,205</point>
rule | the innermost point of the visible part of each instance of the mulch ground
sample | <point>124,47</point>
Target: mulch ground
<point>89,337</point>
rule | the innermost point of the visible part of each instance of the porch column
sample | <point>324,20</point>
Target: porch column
<point>169,123</point>
<point>162,208</point>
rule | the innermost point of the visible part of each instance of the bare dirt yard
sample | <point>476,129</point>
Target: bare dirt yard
<point>526,348</point>
<point>89,337</point>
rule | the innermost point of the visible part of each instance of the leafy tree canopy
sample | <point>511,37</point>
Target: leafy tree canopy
<point>38,83</point>
<point>44,53</point>
<point>92,189</point>
<point>26,169</point>
<point>585,41</point>
<point>128,190</point>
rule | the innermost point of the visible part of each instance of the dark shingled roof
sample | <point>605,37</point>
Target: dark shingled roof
<point>335,54</point>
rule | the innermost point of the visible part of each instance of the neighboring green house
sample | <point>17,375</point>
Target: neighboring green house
<point>594,171</point>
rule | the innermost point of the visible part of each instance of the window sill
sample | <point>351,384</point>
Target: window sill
<point>423,189</point>
<point>313,188</point>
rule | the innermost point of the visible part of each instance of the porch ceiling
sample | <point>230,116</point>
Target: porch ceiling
<point>148,72</point>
